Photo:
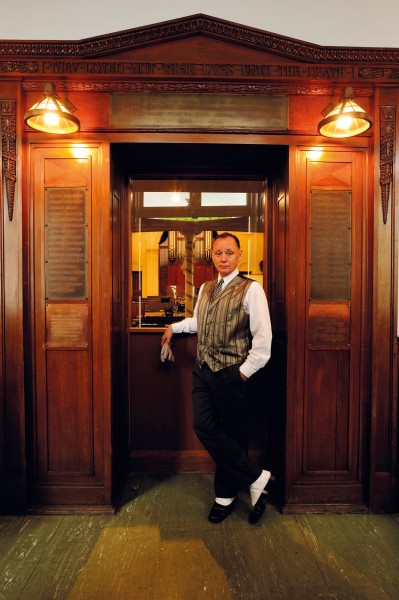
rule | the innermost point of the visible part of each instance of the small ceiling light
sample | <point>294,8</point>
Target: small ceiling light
<point>51,115</point>
<point>346,119</point>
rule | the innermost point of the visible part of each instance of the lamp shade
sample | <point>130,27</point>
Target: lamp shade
<point>346,119</point>
<point>51,115</point>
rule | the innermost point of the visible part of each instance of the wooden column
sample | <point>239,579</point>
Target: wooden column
<point>384,393</point>
<point>12,403</point>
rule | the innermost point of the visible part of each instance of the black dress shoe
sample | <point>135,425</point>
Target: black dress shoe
<point>219,513</point>
<point>261,503</point>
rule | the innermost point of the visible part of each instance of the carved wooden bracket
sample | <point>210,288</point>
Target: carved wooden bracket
<point>387,153</point>
<point>9,150</point>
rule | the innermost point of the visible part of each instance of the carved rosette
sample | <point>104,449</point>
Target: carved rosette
<point>9,150</point>
<point>387,152</point>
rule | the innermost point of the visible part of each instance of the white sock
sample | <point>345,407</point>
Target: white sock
<point>224,501</point>
<point>257,487</point>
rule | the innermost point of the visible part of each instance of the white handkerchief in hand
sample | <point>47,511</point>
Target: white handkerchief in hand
<point>166,352</point>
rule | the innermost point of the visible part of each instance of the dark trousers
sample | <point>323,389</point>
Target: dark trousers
<point>221,422</point>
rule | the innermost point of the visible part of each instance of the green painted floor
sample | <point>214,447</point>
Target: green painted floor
<point>160,546</point>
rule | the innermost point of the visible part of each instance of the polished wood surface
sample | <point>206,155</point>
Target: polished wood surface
<point>384,449</point>
<point>69,425</point>
<point>161,431</point>
<point>326,413</point>
<point>336,439</point>
<point>13,477</point>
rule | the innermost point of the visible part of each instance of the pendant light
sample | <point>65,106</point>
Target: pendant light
<point>346,119</point>
<point>51,115</point>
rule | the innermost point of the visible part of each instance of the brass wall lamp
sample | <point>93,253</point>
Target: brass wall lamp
<point>51,115</point>
<point>346,119</point>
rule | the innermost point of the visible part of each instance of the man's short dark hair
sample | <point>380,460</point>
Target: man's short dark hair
<point>226,234</point>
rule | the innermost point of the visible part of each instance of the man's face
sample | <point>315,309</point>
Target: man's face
<point>226,255</point>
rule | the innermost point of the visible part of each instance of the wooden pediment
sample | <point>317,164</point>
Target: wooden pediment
<point>196,31</point>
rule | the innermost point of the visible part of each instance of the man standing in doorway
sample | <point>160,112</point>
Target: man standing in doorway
<point>232,322</point>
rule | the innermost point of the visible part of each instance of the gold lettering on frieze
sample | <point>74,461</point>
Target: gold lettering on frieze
<point>187,69</point>
<point>63,67</point>
<point>256,70</point>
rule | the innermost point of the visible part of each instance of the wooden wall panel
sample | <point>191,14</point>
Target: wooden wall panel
<point>275,277</point>
<point>119,351</point>
<point>161,430</point>
<point>12,402</point>
<point>280,261</point>
<point>384,448</point>
<point>69,425</point>
<point>71,287</point>
<point>326,411</point>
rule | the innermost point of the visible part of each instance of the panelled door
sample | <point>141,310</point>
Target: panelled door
<point>327,330</point>
<point>70,279</point>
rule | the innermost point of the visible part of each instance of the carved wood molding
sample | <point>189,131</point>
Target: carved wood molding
<point>199,24</point>
<point>387,155</point>
<point>195,87</point>
<point>379,73</point>
<point>18,66</point>
<point>9,150</point>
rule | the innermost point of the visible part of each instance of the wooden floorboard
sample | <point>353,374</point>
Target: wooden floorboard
<point>358,555</point>
<point>160,546</point>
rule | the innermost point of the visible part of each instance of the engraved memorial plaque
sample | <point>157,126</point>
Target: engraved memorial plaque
<point>67,325</point>
<point>330,243</point>
<point>66,243</point>
<point>329,325</point>
<point>206,111</point>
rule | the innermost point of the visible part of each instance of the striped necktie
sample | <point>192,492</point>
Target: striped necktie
<point>217,289</point>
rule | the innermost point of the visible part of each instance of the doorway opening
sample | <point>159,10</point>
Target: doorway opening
<point>217,187</point>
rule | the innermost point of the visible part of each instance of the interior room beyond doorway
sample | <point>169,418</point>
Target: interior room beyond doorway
<point>182,195</point>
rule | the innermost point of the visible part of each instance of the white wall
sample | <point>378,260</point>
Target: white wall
<point>359,23</point>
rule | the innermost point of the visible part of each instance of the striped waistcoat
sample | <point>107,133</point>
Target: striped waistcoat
<point>224,337</point>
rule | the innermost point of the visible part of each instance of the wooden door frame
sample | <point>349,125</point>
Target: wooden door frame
<point>212,138</point>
